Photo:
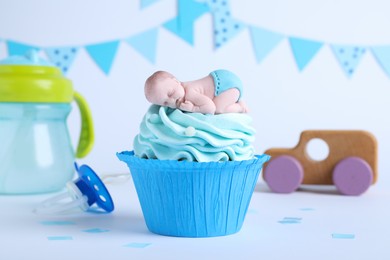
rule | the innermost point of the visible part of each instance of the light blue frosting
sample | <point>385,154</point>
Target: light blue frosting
<point>171,134</point>
<point>31,58</point>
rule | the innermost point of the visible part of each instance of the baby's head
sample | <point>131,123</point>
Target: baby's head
<point>163,89</point>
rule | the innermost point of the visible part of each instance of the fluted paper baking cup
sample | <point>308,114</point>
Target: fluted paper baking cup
<point>192,199</point>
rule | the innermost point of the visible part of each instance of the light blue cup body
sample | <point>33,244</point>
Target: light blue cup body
<point>36,154</point>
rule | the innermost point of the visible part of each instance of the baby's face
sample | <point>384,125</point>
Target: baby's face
<point>169,93</point>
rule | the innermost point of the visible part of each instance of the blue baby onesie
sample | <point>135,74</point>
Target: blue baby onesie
<point>224,80</point>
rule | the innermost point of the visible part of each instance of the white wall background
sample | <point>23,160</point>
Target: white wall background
<point>283,101</point>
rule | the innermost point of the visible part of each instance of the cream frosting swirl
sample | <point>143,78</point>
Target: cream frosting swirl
<point>171,134</point>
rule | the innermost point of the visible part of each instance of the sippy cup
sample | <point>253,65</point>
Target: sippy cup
<point>36,153</point>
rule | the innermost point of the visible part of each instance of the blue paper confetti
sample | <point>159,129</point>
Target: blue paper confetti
<point>103,54</point>
<point>306,209</point>
<point>183,24</point>
<point>382,56</point>
<point>304,50</point>
<point>57,223</point>
<point>145,43</point>
<point>348,57</point>
<point>137,245</point>
<point>264,42</point>
<point>62,57</point>
<point>290,220</point>
<point>17,48</point>
<point>96,230</point>
<point>225,26</point>
<point>343,236</point>
<point>56,238</point>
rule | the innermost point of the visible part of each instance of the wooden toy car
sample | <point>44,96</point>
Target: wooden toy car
<point>351,164</point>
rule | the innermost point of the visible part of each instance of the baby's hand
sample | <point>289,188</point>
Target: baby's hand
<point>187,106</point>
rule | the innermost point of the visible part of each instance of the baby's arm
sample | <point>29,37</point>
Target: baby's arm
<point>197,102</point>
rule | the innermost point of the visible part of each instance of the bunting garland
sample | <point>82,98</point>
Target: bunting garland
<point>103,54</point>
<point>18,48</point>
<point>348,57</point>
<point>225,28</point>
<point>382,55</point>
<point>62,57</point>
<point>304,50</point>
<point>145,43</point>
<point>264,42</point>
<point>183,24</point>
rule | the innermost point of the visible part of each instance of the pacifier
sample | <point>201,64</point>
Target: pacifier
<point>87,190</point>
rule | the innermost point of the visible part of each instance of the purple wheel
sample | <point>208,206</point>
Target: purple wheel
<point>283,174</point>
<point>352,176</point>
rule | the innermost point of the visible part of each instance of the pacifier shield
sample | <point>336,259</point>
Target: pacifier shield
<point>92,186</point>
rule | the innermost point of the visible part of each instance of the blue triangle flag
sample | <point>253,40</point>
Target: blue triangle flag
<point>18,48</point>
<point>304,50</point>
<point>103,54</point>
<point>62,57</point>
<point>183,24</point>
<point>225,26</point>
<point>264,41</point>
<point>146,3</point>
<point>348,56</point>
<point>382,55</point>
<point>145,43</point>
<point>186,34</point>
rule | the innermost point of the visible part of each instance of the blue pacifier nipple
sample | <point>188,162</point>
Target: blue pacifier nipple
<point>83,192</point>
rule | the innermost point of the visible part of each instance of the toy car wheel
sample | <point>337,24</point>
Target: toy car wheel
<point>283,174</point>
<point>352,176</point>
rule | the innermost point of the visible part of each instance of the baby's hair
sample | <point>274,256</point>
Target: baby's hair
<point>157,76</point>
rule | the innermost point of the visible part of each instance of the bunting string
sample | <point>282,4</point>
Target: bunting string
<point>225,28</point>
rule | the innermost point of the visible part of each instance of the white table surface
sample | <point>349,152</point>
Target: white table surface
<point>26,235</point>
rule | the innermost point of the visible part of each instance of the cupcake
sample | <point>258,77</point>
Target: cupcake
<point>194,173</point>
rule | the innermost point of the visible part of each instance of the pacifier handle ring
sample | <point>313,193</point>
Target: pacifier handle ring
<point>54,200</point>
<point>53,205</point>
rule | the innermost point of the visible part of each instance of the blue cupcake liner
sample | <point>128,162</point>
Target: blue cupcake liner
<point>192,199</point>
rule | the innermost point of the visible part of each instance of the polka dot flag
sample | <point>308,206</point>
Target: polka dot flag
<point>62,57</point>
<point>225,26</point>
<point>348,57</point>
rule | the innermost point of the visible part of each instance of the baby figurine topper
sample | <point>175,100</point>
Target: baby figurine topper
<point>217,93</point>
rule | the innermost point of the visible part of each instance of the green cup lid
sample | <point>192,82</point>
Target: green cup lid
<point>31,79</point>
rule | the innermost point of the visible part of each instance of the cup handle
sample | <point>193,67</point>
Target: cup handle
<point>87,135</point>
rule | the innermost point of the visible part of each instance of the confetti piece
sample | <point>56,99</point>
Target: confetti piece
<point>343,236</point>
<point>307,209</point>
<point>53,238</point>
<point>137,245</point>
<point>57,223</point>
<point>289,222</point>
<point>96,230</point>
<point>292,218</point>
